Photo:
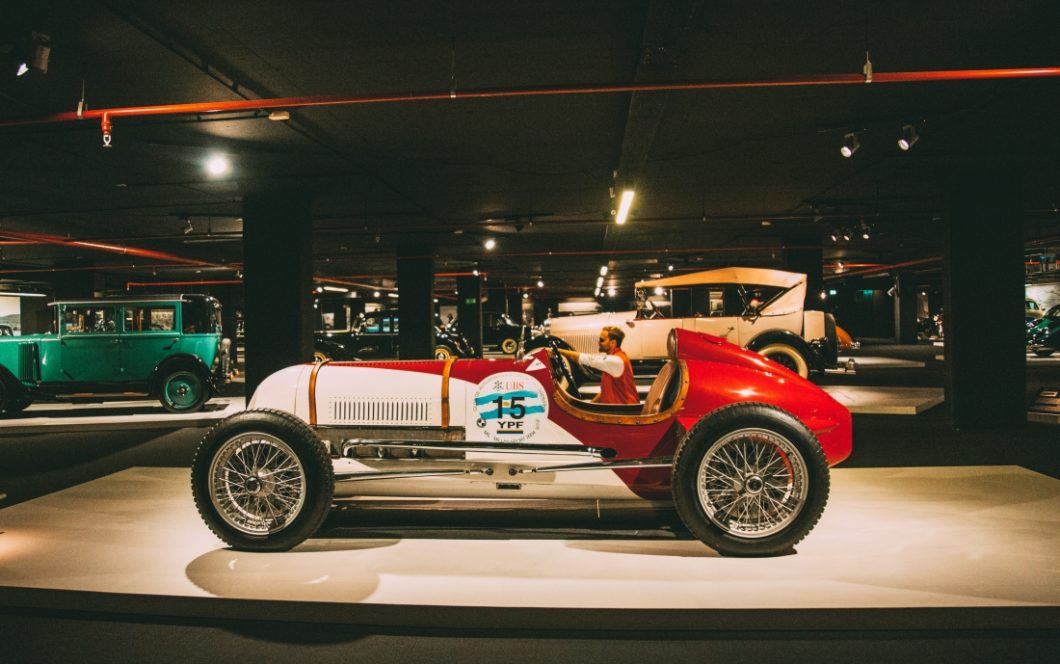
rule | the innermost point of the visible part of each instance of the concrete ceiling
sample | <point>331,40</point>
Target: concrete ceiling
<point>723,177</point>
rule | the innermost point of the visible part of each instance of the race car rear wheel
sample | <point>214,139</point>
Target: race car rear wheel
<point>262,481</point>
<point>750,480</point>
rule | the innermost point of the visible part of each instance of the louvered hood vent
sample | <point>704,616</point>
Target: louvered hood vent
<point>395,411</point>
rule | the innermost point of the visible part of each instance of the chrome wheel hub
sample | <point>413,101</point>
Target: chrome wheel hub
<point>257,484</point>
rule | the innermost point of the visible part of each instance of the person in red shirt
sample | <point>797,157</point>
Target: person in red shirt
<point>616,373</point>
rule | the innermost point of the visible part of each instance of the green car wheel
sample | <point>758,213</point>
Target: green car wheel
<point>183,391</point>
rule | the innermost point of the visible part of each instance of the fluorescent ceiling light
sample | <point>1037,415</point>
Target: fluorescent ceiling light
<point>336,289</point>
<point>623,207</point>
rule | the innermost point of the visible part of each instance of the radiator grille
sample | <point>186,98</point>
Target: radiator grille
<point>382,410</point>
<point>585,343</point>
<point>28,362</point>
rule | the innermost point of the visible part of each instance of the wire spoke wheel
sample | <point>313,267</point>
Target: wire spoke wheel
<point>752,483</point>
<point>262,480</point>
<point>750,479</point>
<point>257,483</point>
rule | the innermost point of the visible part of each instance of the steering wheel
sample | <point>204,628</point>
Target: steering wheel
<point>655,313</point>
<point>561,368</point>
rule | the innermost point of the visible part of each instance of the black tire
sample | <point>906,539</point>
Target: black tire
<point>509,345</point>
<point>183,390</point>
<point>704,479</point>
<point>11,404</point>
<point>1044,352</point>
<point>265,514</point>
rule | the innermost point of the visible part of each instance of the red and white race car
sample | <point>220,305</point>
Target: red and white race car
<point>741,444</point>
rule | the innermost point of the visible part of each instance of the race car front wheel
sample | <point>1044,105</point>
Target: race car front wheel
<point>750,480</point>
<point>262,481</point>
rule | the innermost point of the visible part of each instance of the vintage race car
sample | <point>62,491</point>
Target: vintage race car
<point>740,444</point>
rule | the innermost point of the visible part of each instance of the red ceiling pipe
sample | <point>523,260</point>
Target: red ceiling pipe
<point>147,284</point>
<point>107,115</point>
<point>884,268</point>
<point>104,268</point>
<point>110,248</point>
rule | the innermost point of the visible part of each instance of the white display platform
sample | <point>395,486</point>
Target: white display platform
<point>886,400</point>
<point>874,362</point>
<point>921,542</point>
<point>116,415</point>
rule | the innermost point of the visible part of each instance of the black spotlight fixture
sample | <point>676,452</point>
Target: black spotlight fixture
<point>909,138</point>
<point>850,145</point>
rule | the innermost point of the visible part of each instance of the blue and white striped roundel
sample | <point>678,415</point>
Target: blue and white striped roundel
<point>510,407</point>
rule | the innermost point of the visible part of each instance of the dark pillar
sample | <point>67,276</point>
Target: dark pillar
<point>35,316</point>
<point>78,282</point>
<point>277,280</point>
<point>904,310</point>
<point>513,302</point>
<point>415,283</point>
<point>983,272</point>
<point>469,310</point>
<point>803,254</point>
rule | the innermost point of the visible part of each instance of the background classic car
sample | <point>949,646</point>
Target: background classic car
<point>723,303</point>
<point>168,347</point>
<point>375,336</point>
<point>739,445</point>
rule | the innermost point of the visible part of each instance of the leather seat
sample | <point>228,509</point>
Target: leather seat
<point>654,401</point>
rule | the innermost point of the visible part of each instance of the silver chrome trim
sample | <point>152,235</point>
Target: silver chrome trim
<point>384,475</point>
<point>509,448</point>
<point>659,462</point>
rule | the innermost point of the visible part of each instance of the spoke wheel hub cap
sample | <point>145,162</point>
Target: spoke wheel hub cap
<point>752,483</point>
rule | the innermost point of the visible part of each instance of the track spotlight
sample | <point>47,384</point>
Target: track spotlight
<point>846,235</point>
<point>188,228</point>
<point>540,283</point>
<point>865,233</point>
<point>909,137</point>
<point>611,292</point>
<point>850,145</point>
<point>834,235</point>
<point>599,282</point>
<point>490,243</point>
<point>22,69</point>
<point>603,270</point>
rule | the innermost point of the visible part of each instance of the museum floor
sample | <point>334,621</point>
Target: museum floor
<point>936,545</point>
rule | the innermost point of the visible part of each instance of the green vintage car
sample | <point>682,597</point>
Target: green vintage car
<point>167,347</point>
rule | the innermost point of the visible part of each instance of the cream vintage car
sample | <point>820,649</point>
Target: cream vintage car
<point>756,308</point>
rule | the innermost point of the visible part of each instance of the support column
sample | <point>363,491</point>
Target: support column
<point>77,284</point>
<point>803,253</point>
<point>277,280</point>
<point>415,283</point>
<point>983,272</point>
<point>904,310</point>
<point>469,310</point>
